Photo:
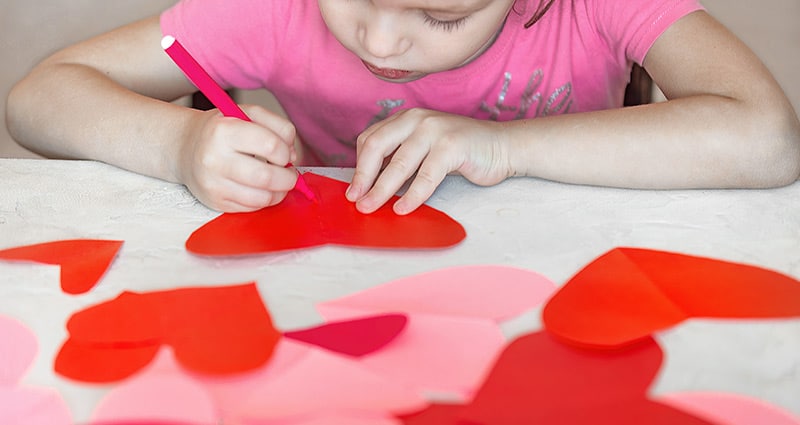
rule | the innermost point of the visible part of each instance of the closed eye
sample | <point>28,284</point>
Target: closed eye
<point>444,25</point>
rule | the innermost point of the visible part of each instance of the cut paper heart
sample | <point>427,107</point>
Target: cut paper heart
<point>439,355</point>
<point>24,405</point>
<point>33,406</point>
<point>96,363</point>
<point>538,380</point>
<point>484,291</point>
<point>324,383</point>
<point>298,223</point>
<point>452,335</point>
<point>213,330</point>
<point>630,293</point>
<point>353,337</point>
<point>83,261</point>
<point>144,422</point>
<point>301,384</point>
<point>18,348</point>
<point>159,393</point>
<point>337,418</point>
<point>728,409</point>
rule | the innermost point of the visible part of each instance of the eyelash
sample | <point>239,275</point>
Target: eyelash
<point>444,25</point>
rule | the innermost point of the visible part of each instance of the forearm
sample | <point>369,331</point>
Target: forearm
<point>74,111</point>
<point>702,141</point>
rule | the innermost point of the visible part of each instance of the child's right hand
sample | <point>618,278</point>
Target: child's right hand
<point>233,165</point>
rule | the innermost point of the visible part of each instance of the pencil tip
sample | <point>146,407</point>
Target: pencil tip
<point>303,188</point>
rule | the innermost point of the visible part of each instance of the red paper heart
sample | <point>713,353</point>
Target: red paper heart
<point>92,363</point>
<point>214,330</point>
<point>355,338</point>
<point>538,380</point>
<point>299,223</point>
<point>629,293</point>
<point>83,261</point>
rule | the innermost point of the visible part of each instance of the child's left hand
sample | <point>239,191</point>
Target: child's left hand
<point>432,144</point>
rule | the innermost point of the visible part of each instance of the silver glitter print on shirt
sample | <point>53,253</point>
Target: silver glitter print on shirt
<point>559,102</point>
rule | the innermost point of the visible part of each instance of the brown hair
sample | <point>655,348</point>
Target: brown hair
<point>544,6</point>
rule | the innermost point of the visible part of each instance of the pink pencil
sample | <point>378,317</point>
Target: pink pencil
<point>218,97</point>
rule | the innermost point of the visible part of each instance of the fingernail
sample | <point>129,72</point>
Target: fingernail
<point>400,208</point>
<point>351,194</point>
<point>365,207</point>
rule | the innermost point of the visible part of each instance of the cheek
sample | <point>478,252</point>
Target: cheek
<point>341,24</point>
<point>450,51</point>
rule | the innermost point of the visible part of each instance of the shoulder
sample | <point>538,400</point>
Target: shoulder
<point>632,26</point>
<point>230,17</point>
<point>236,40</point>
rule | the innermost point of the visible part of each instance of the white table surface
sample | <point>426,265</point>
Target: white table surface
<point>551,228</point>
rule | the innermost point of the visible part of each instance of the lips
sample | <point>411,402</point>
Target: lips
<point>387,73</point>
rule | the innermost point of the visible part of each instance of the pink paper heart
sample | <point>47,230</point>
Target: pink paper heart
<point>159,393</point>
<point>24,405</point>
<point>487,292</point>
<point>323,382</point>
<point>334,418</point>
<point>452,335</point>
<point>302,383</point>
<point>728,409</point>
<point>32,406</point>
<point>18,348</point>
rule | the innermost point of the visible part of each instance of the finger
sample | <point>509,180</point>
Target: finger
<point>248,198</point>
<point>403,165</point>
<point>281,126</point>
<point>255,173</point>
<point>278,124</point>
<point>388,120</point>
<point>383,140</point>
<point>228,196</point>
<point>368,166</point>
<point>430,175</point>
<point>255,140</point>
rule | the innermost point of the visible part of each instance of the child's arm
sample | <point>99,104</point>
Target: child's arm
<point>107,99</point>
<point>727,124</point>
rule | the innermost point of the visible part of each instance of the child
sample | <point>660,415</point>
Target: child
<point>486,88</point>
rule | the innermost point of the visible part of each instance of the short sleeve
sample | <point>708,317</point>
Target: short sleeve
<point>632,26</point>
<point>234,41</point>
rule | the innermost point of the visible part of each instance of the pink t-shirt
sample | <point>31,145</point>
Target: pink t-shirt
<point>576,58</point>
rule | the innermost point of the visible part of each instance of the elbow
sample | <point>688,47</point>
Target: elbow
<point>24,115</point>
<point>15,116</point>
<point>11,115</point>
<point>779,150</point>
<point>794,173</point>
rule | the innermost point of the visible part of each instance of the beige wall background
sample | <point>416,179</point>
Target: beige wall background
<point>32,29</point>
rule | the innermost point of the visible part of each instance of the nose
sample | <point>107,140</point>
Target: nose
<point>383,36</point>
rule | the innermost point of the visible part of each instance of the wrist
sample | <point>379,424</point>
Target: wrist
<point>515,144</point>
<point>181,152</point>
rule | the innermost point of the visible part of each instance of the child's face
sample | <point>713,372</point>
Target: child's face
<point>404,40</point>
